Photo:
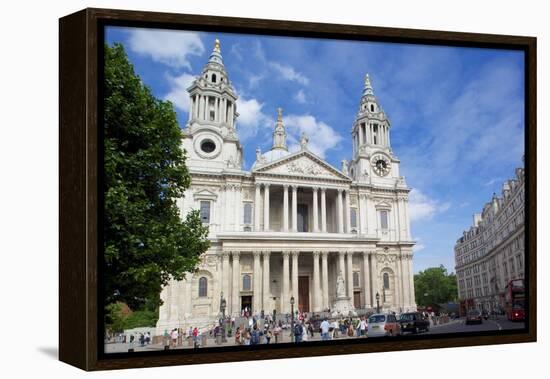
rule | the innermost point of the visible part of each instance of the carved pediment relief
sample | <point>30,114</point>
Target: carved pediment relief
<point>303,164</point>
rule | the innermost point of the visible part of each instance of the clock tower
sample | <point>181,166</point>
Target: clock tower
<point>373,159</point>
<point>210,136</point>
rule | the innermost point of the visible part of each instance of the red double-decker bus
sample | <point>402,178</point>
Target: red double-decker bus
<point>515,300</point>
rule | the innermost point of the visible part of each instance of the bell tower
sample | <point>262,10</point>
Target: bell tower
<point>372,154</point>
<point>210,136</point>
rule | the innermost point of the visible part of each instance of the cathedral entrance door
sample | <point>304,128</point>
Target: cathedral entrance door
<point>357,299</point>
<point>303,293</point>
<point>302,218</point>
<point>246,301</point>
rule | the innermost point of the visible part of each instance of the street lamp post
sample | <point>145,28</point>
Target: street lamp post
<point>223,305</point>
<point>292,317</point>
<point>377,302</point>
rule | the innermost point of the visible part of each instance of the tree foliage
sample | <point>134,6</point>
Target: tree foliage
<point>145,240</point>
<point>435,286</point>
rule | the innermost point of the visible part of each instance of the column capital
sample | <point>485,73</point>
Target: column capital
<point>258,185</point>
<point>340,190</point>
<point>257,254</point>
<point>267,185</point>
<point>266,253</point>
<point>294,187</point>
<point>323,189</point>
<point>295,253</point>
<point>225,254</point>
<point>235,254</point>
<point>286,185</point>
<point>324,254</point>
<point>286,253</point>
<point>342,253</point>
<point>315,188</point>
<point>350,253</point>
<point>316,254</point>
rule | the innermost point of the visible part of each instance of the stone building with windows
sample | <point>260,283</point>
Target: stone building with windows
<point>491,253</point>
<point>293,225</point>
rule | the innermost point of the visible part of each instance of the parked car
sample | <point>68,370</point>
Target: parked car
<point>383,325</point>
<point>474,317</point>
<point>413,322</point>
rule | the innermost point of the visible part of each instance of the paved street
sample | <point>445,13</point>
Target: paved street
<point>454,326</point>
<point>458,326</point>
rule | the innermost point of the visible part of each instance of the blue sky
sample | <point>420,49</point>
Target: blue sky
<point>457,114</point>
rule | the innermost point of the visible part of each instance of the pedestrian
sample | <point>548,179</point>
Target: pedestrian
<point>141,339</point>
<point>148,338</point>
<point>277,331</point>
<point>268,336</point>
<point>363,327</point>
<point>298,331</point>
<point>195,337</point>
<point>325,327</point>
<point>255,336</point>
<point>305,334</point>
<point>238,336</point>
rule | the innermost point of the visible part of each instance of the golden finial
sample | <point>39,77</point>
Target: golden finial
<point>279,114</point>
<point>217,44</point>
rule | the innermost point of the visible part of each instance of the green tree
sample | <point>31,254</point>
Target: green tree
<point>145,240</point>
<point>435,286</point>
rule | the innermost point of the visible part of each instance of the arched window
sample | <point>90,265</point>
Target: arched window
<point>386,278</point>
<point>356,279</point>
<point>213,78</point>
<point>372,107</point>
<point>246,282</point>
<point>203,287</point>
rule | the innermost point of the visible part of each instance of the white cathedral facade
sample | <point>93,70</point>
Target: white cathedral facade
<point>293,226</point>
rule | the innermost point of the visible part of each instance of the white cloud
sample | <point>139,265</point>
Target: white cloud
<point>171,48</point>
<point>322,137</point>
<point>300,97</point>
<point>178,94</point>
<point>421,207</point>
<point>251,118</point>
<point>418,247</point>
<point>288,73</point>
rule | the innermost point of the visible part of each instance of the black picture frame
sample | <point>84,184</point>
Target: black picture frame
<point>80,202</point>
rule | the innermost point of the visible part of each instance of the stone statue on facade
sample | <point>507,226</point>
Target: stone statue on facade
<point>340,287</point>
<point>304,141</point>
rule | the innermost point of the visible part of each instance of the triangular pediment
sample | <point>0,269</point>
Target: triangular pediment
<point>302,163</point>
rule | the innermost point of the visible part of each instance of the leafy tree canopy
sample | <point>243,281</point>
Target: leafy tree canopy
<point>145,240</point>
<point>435,286</point>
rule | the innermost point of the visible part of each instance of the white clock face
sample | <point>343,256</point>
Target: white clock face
<point>380,164</point>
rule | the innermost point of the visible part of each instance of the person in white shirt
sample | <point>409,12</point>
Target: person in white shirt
<point>324,330</point>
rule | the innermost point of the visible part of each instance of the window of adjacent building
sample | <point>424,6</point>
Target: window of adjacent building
<point>203,287</point>
<point>246,282</point>
<point>386,279</point>
<point>353,217</point>
<point>205,212</point>
<point>384,220</point>
<point>356,279</point>
<point>247,213</point>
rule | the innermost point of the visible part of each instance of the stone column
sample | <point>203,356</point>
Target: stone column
<point>285,208</point>
<point>295,276</point>
<point>285,293</point>
<point>257,208</point>
<point>216,109</point>
<point>366,280</point>
<point>315,211</point>
<point>257,282</point>
<point>266,290</point>
<point>324,278</point>
<point>323,210</point>
<point>342,264</point>
<point>361,138</point>
<point>266,207</point>
<point>374,277</point>
<point>235,310</point>
<point>226,280</point>
<point>339,211</point>
<point>349,279</point>
<point>316,284</point>
<point>237,208</point>
<point>347,212</point>
<point>398,283</point>
<point>412,300</point>
<point>294,208</point>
